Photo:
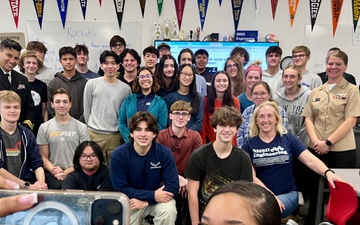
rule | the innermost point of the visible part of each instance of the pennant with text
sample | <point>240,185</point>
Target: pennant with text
<point>83,4</point>
<point>62,4</point>
<point>142,6</point>
<point>356,12</point>
<point>293,4</point>
<point>39,8</point>
<point>100,2</point>
<point>257,7</point>
<point>336,10</point>
<point>236,8</point>
<point>274,4</point>
<point>179,6</point>
<point>202,5</point>
<point>119,8</point>
<point>220,1</point>
<point>15,9</point>
<point>160,5</point>
<point>314,11</point>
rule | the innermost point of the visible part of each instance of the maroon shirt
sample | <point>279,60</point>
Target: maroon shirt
<point>181,147</point>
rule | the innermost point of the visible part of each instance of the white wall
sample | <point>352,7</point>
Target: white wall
<point>219,19</point>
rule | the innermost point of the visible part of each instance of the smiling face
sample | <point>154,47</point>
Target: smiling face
<point>150,60</point>
<point>221,83</point>
<point>68,62</point>
<point>89,161</point>
<point>335,67</point>
<point>118,48</point>
<point>201,61</point>
<point>130,64</point>
<point>61,104</point>
<point>186,76</point>
<point>31,65</point>
<point>300,59</point>
<point>169,68</point>
<point>10,111</point>
<point>251,78</point>
<point>231,68</point>
<point>142,136</point>
<point>109,67</point>
<point>225,133</point>
<point>185,59</point>
<point>145,80</point>
<point>9,58</point>
<point>273,59</point>
<point>290,79</point>
<point>266,119</point>
<point>179,118</point>
<point>260,94</point>
<point>82,58</point>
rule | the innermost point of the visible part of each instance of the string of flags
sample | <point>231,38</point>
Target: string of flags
<point>119,6</point>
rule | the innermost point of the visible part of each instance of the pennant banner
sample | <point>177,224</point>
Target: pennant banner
<point>236,8</point>
<point>15,9</point>
<point>39,8</point>
<point>62,4</point>
<point>220,1</point>
<point>142,6</point>
<point>100,2</point>
<point>83,4</point>
<point>293,4</point>
<point>257,7</point>
<point>202,5</point>
<point>119,7</point>
<point>179,6</point>
<point>336,10</point>
<point>160,5</point>
<point>314,11</point>
<point>274,4</point>
<point>356,12</point>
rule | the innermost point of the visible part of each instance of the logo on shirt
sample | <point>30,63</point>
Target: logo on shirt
<point>155,165</point>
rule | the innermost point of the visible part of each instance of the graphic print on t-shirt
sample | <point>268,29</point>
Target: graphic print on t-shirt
<point>211,183</point>
<point>270,156</point>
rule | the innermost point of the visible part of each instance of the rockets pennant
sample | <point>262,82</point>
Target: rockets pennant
<point>179,6</point>
<point>15,9</point>
<point>274,4</point>
<point>160,4</point>
<point>142,6</point>
<point>119,8</point>
<point>356,12</point>
<point>236,8</point>
<point>62,4</point>
<point>83,4</point>
<point>39,8</point>
<point>336,10</point>
<point>293,4</point>
<point>202,5</point>
<point>314,11</point>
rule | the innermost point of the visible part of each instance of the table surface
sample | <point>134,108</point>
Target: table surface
<point>352,176</point>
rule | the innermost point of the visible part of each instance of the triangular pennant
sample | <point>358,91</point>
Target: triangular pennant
<point>220,1</point>
<point>202,5</point>
<point>293,4</point>
<point>236,8</point>
<point>179,6</point>
<point>83,4</point>
<point>142,6</point>
<point>274,4</point>
<point>63,4</point>
<point>15,9</point>
<point>336,10</point>
<point>356,12</point>
<point>100,1</point>
<point>314,11</point>
<point>39,8</point>
<point>160,5</point>
<point>119,8</point>
<point>257,7</point>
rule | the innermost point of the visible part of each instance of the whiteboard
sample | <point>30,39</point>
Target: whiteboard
<point>95,35</point>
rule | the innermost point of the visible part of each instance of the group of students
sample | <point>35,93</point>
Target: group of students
<point>195,114</point>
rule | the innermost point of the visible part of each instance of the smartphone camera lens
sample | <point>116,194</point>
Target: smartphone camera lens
<point>106,212</point>
<point>114,208</point>
<point>100,220</point>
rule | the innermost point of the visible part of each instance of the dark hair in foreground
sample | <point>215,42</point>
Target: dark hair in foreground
<point>155,87</point>
<point>146,117</point>
<point>107,53</point>
<point>79,150</point>
<point>160,72</point>
<point>67,50</point>
<point>10,44</point>
<point>226,115</point>
<point>262,205</point>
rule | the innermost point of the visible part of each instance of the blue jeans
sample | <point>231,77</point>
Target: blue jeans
<point>290,200</point>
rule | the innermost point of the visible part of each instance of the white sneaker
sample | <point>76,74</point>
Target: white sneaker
<point>301,198</point>
<point>291,222</point>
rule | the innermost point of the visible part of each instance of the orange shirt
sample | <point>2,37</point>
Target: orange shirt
<point>207,132</point>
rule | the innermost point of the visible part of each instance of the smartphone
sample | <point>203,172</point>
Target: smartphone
<point>71,207</point>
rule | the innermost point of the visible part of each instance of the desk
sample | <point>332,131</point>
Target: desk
<point>351,176</point>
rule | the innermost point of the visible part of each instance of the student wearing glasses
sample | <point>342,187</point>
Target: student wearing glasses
<point>236,72</point>
<point>260,93</point>
<point>90,174</point>
<point>117,45</point>
<point>185,89</point>
<point>144,99</point>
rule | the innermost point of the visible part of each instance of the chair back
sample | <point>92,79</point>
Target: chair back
<point>343,203</point>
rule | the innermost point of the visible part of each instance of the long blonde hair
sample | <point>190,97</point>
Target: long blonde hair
<point>254,129</point>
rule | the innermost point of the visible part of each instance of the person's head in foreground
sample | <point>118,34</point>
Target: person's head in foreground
<point>241,202</point>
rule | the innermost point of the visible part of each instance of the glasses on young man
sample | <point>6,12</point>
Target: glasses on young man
<point>178,114</point>
<point>118,45</point>
<point>299,56</point>
<point>84,157</point>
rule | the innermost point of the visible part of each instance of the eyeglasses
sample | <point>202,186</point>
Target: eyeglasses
<point>187,74</point>
<point>118,45</point>
<point>262,94</point>
<point>231,66</point>
<point>84,157</point>
<point>143,77</point>
<point>178,114</point>
<point>299,56</point>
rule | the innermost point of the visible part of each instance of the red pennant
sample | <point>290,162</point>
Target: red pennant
<point>179,6</point>
<point>15,9</point>
<point>100,2</point>
<point>336,10</point>
<point>273,7</point>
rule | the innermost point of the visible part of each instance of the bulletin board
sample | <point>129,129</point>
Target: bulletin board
<point>95,35</point>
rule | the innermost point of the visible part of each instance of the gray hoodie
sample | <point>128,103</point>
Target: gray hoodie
<point>294,110</point>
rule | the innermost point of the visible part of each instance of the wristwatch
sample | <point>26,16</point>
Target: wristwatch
<point>26,185</point>
<point>327,142</point>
